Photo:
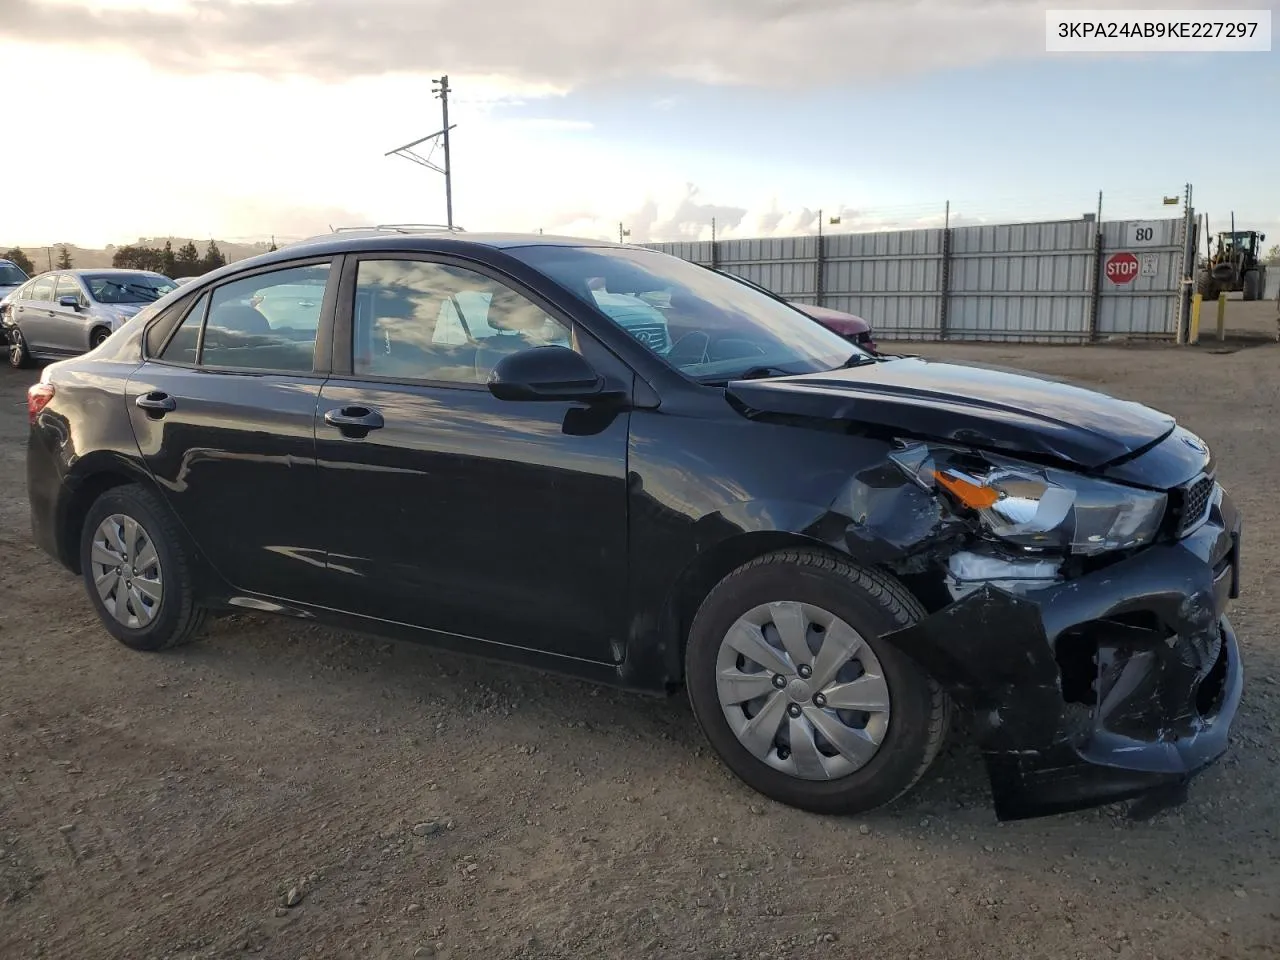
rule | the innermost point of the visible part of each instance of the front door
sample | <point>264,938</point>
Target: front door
<point>454,511</point>
<point>69,331</point>
<point>224,418</point>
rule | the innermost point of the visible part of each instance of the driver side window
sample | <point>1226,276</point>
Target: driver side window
<point>417,320</point>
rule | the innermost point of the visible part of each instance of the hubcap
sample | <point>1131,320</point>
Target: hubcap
<point>126,571</point>
<point>802,690</point>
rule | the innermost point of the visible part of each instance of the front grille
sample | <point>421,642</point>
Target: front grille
<point>652,335</point>
<point>1194,499</point>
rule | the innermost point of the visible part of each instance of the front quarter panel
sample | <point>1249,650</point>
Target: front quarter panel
<point>706,488</point>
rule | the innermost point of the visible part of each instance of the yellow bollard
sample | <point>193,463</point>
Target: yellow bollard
<point>1222,316</point>
<point>1196,301</point>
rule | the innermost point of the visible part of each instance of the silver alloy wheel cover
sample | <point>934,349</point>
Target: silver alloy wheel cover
<point>126,571</point>
<point>17,347</point>
<point>802,690</point>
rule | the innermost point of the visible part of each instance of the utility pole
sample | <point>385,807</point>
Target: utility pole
<point>622,232</point>
<point>441,90</point>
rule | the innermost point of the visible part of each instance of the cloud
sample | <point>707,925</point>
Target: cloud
<point>563,43</point>
<point>683,214</point>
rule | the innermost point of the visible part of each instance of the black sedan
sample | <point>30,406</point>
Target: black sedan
<point>466,439</point>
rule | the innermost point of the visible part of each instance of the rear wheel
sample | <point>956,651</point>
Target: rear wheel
<point>797,692</point>
<point>135,571</point>
<point>19,355</point>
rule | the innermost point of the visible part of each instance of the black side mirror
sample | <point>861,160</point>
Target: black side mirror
<point>72,302</point>
<point>545,373</point>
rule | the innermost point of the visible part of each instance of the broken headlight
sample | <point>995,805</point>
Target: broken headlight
<point>1034,507</point>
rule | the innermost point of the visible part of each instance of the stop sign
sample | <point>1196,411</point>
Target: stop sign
<point>1121,267</point>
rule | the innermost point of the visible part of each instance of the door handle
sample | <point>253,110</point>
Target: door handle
<point>353,420</point>
<point>156,401</point>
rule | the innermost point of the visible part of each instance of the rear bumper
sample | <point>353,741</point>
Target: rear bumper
<point>1109,687</point>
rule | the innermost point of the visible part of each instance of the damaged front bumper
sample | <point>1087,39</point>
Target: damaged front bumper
<point>1119,684</point>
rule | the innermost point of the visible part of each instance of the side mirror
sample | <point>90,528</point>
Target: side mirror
<point>72,302</point>
<point>545,373</point>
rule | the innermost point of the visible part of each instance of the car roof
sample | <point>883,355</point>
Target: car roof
<point>106,271</point>
<point>430,240</point>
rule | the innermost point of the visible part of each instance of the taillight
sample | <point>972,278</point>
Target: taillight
<point>38,397</point>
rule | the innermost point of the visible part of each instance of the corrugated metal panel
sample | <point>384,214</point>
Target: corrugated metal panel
<point>1013,282</point>
<point>1026,281</point>
<point>892,279</point>
<point>1146,306</point>
<point>696,251</point>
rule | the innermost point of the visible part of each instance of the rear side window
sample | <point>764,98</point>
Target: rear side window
<point>266,322</point>
<point>182,347</point>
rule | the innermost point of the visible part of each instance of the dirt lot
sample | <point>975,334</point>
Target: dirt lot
<point>425,805</point>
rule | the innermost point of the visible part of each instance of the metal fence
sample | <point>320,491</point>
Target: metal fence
<point>1067,281</point>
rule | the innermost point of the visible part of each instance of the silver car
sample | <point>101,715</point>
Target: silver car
<point>11,277</point>
<point>68,312</point>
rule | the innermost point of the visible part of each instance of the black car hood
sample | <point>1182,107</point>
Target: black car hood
<point>969,405</point>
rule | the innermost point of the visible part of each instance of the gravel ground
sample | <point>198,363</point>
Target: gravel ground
<point>290,792</point>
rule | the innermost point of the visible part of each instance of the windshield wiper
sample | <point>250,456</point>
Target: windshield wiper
<point>152,292</point>
<point>858,360</point>
<point>758,373</point>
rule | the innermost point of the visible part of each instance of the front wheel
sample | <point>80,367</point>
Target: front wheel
<point>98,337</point>
<point>1251,285</point>
<point>793,686</point>
<point>136,572</point>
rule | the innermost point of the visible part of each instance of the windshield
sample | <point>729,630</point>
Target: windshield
<point>705,325</point>
<point>10,275</point>
<point>129,287</point>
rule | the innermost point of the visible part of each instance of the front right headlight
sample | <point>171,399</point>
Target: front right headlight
<point>1034,507</point>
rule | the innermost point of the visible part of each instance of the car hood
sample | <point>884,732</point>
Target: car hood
<point>117,312</point>
<point>1013,413</point>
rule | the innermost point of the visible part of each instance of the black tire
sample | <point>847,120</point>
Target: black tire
<point>873,604</point>
<point>178,617</point>
<point>1251,285</point>
<point>1206,286</point>
<point>19,355</point>
<point>98,337</point>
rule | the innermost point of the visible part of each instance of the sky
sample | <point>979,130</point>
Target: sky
<point>246,119</point>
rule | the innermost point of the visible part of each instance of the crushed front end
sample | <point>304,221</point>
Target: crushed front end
<point>1086,635</point>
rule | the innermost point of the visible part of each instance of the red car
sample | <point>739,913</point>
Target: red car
<point>852,328</point>
<point>847,325</point>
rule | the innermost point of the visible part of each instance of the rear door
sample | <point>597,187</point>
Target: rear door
<point>35,316</point>
<point>224,412</point>
<point>452,510</point>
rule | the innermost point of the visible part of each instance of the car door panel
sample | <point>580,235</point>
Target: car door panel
<point>235,458</point>
<point>496,520</point>
<point>470,515</point>
<point>230,437</point>
<point>67,330</point>
<point>36,318</point>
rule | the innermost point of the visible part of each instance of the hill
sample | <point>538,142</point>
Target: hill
<point>45,258</point>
